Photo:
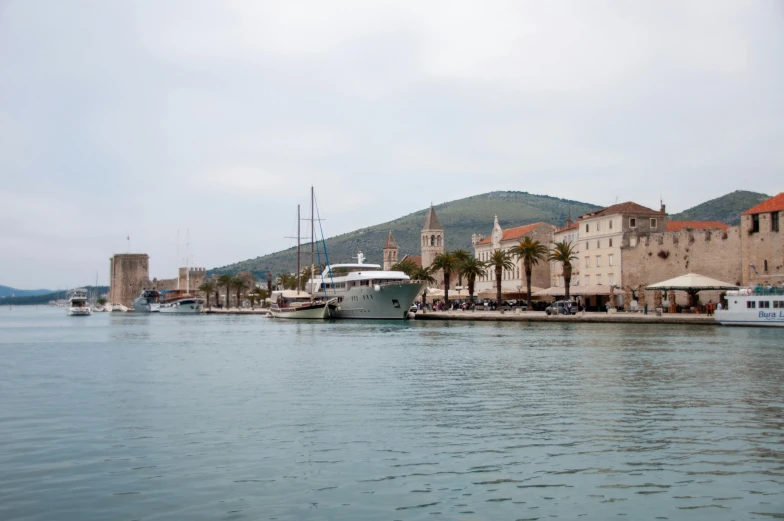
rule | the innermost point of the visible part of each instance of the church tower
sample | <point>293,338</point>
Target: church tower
<point>432,238</point>
<point>390,253</point>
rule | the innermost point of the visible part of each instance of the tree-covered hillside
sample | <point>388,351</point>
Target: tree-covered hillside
<point>459,219</point>
<point>726,208</point>
<point>37,300</point>
<point>7,291</point>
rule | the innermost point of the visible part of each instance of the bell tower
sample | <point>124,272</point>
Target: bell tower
<point>390,253</point>
<point>432,238</point>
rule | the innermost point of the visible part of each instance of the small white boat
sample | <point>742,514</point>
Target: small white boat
<point>189,305</point>
<point>99,309</point>
<point>147,302</point>
<point>77,304</point>
<point>753,307</point>
<point>295,305</point>
<point>116,307</point>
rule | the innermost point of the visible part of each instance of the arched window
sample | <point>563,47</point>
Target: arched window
<point>438,241</point>
<point>432,240</point>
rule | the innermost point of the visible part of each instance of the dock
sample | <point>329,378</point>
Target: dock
<point>590,317</point>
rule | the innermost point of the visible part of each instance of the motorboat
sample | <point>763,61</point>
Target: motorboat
<point>77,303</point>
<point>147,302</point>
<point>116,307</point>
<point>360,290</point>
<point>188,305</point>
<point>758,306</point>
<point>292,304</point>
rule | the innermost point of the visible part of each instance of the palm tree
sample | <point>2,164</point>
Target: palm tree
<point>259,294</point>
<point>500,260</point>
<point>564,253</point>
<point>531,252</point>
<point>407,266</point>
<point>471,268</point>
<point>225,280</point>
<point>447,263</point>
<point>461,256</point>
<point>424,275</point>
<point>207,287</point>
<point>240,285</point>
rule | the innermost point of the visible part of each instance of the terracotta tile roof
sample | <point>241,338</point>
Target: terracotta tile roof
<point>774,204</point>
<point>627,208</point>
<point>416,260</point>
<point>676,226</point>
<point>513,233</point>
<point>572,226</point>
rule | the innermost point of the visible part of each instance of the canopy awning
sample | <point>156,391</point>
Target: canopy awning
<point>596,289</point>
<point>508,292</point>
<point>692,282</point>
<point>554,291</point>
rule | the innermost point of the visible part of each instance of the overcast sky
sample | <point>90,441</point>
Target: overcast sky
<point>144,118</point>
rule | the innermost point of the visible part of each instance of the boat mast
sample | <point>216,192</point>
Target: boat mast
<point>312,243</point>
<point>299,269</point>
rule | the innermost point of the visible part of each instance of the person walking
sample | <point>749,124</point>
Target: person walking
<point>709,308</point>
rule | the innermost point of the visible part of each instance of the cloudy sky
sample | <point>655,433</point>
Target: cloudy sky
<point>143,118</point>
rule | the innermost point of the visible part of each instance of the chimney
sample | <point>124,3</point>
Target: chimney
<point>663,207</point>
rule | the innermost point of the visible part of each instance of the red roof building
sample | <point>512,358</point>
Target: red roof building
<point>774,204</point>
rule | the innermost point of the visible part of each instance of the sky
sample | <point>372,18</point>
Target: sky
<point>210,120</point>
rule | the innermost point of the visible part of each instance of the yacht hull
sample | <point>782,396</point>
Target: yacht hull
<point>79,312</point>
<point>386,302</point>
<point>318,311</point>
<point>752,318</point>
<point>181,308</point>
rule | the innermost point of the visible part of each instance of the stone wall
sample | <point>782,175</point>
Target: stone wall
<point>128,275</point>
<point>193,281</point>
<point>764,249</point>
<point>663,256</point>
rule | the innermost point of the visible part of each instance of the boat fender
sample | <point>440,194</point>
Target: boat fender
<point>377,287</point>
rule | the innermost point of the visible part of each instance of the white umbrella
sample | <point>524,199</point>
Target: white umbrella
<point>692,282</point>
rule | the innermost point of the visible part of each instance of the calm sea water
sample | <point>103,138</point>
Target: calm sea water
<point>129,416</point>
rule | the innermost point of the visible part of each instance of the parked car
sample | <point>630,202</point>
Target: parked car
<point>562,307</point>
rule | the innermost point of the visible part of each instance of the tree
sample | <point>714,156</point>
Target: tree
<point>564,253</point>
<point>461,256</point>
<point>500,260</point>
<point>471,268</point>
<point>447,263</point>
<point>256,294</point>
<point>225,281</point>
<point>531,252</point>
<point>101,301</point>
<point>287,281</point>
<point>407,266</point>
<point>239,284</point>
<point>207,287</point>
<point>423,274</point>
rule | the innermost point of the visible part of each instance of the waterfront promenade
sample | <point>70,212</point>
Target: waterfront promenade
<point>541,316</point>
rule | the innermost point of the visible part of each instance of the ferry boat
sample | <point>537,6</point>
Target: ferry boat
<point>147,302</point>
<point>753,307</point>
<point>299,305</point>
<point>360,290</point>
<point>77,303</point>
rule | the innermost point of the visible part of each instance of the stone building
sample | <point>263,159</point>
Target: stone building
<point>129,273</point>
<point>569,234</point>
<point>390,252</point>
<point>762,248</point>
<point>513,280</point>
<point>433,243</point>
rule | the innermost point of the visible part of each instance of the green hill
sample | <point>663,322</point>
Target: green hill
<point>37,300</point>
<point>7,291</point>
<point>459,219</point>
<point>726,208</point>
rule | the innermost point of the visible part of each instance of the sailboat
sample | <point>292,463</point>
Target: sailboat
<point>296,304</point>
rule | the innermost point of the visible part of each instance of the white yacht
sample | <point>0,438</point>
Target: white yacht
<point>753,307</point>
<point>190,305</point>
<point>147,302</point>
<point>360,290</point>
<point>116,307</point>
<point>77,303</point>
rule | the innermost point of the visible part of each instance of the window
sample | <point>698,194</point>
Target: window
<point>395,303</point>
<point>632,222</point>
<point>764,303</point>
<point>751,304</point>
<point>587,280</point>
<point>587,262</point>
<point>774,221</point>
<point>610,243</point>
<point>653,223</point>
<point>599,226</point>
<point>765,265</point>
<point>778,304</point>
<point>610,279</point>
<point>587,245</point>
<point>755,223</point>
<point>611,224</point>
<point>598,279</point>
<point>598,260</point>
<point>610,259</point>
<point>586,228</point>
<point>598,244</point>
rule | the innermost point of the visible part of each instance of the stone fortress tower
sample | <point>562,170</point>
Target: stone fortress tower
<point>390,252</point>
<point>128,275</point>
<point>432,238</point>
